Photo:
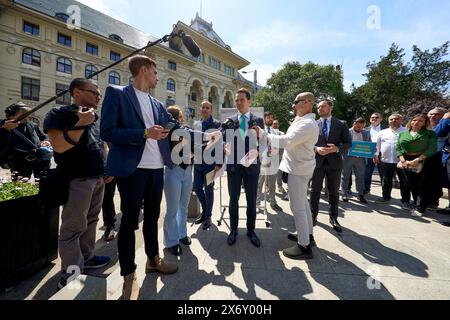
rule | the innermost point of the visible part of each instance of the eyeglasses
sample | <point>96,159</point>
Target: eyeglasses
<point>95,93</point>
<point>375,118</point>
<point>299,100</point>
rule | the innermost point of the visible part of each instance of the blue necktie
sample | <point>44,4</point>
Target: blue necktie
<point>325,129</point>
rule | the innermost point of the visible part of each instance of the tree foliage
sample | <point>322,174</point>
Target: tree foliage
<point>392,85</point>
<point>294,78</point>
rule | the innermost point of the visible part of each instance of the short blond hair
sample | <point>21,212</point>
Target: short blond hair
<point>137,62</point>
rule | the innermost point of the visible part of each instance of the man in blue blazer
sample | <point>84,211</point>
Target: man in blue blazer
<point>136,126</point>
<point>243,141</point>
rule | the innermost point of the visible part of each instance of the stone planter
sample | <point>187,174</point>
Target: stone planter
<point>28,239</point>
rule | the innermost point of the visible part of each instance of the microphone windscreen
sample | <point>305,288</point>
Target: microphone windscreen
<point>191,46</point>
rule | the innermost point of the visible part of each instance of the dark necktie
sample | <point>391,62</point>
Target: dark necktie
<point>325,129</point>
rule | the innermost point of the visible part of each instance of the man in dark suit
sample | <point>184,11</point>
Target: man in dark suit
<point>204,192</point>
<point>244,142</point>
<point>334,141</point>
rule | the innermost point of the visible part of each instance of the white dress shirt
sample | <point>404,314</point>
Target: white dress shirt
<point>151,158</point>
<point>387,144</point>
<point>374,131</point>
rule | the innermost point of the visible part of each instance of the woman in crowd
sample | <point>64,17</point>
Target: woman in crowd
<point>414,147</point>
<point>177,189</point>
<point>29,149</point>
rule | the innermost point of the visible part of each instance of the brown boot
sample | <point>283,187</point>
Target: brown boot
<point>130,290</point>
<point>160,266</point>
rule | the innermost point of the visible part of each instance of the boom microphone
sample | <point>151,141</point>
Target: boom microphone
<point>188,42</point>
<point>191,46</point>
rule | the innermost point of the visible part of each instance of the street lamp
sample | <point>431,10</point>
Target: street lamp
<point>255,78</point>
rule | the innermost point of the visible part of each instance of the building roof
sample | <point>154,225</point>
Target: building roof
<point>93,21</point>
<point>206,29</point>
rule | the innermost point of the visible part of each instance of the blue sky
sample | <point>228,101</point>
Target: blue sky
<point>346,32</point>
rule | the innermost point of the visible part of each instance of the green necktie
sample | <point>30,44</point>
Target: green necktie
<point>243,125</point>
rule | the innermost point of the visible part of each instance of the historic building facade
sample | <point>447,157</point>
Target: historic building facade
<point>45,44</point>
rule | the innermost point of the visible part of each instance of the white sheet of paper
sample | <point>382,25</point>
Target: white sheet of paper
<point>249,158</point>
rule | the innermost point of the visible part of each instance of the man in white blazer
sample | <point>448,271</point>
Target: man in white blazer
<point>299,161</point>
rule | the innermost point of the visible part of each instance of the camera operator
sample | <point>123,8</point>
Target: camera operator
<point>26,145</point>
<point>75,138</point>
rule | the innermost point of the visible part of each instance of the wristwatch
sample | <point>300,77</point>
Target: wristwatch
<point>146,133</point>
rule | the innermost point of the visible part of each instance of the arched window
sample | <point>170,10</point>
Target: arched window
<point>171,85</point>
<point>116,38</point>
<point>64,65</point>
<point>114,78</point>
<point>90,69</point>
<point>32,57</point>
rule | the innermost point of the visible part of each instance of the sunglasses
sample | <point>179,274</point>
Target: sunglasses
<point>95,93</point>
<point>299,100</point>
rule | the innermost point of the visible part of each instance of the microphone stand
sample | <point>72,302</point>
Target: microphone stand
<point>151,44</point>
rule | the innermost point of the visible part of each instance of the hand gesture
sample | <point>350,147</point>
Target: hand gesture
<point>157,133</point>
<point>10,125</point>
<point>85,118</point>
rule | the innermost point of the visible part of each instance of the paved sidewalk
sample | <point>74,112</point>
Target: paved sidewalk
<point>383,253</point>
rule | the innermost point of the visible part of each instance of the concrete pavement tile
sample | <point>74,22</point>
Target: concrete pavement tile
<point>417,289</point>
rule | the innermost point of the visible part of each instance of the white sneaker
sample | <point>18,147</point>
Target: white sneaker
<point>416,213</point>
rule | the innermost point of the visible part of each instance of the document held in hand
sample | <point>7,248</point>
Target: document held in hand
<point>249,158</point>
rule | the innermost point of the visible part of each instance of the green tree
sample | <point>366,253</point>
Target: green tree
<point>393,85</point>
<point>294,78</point>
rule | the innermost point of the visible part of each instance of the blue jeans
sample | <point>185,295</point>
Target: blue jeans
<point>177,189</point>
<point>205,194</point>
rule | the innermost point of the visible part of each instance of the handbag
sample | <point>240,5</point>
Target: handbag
<point>415,169</point>
<point>54,187</point>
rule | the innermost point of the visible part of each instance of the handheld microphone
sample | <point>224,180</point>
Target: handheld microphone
<point>252,123</point>
<point>229,124</point>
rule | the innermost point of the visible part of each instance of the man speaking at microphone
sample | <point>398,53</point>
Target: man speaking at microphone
<point>244,143</point>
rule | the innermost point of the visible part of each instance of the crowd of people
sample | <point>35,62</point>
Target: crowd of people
<point>131,147</point>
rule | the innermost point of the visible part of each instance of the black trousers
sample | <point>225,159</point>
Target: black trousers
<point>419,183</point>
<point>143,186</point>
<point>108,207</point>
<point>333,182</point>
<point>388,170</point>
<point>25,168</point>
<point>249,176</point>
<point>435,178</point>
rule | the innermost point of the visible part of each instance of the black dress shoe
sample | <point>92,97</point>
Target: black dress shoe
<point>206,224</point>
<point>294,237</point>
<point>312,241</point>
<point>362,199</point>
<point>186,241</point>
<point>314,217</point>
<point>175,250</point>
<point>336,226</point>
<point>254,238</point>
<point>200,220</point>
<point>232,237</point>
